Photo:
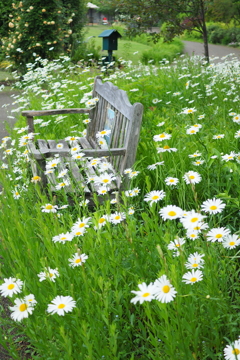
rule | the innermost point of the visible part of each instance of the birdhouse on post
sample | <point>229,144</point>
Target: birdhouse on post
<point>110,42</point>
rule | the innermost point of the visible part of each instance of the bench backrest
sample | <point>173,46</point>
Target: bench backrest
<point>113,110</point>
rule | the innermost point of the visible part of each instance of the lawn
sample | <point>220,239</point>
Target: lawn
<point>154,276</point>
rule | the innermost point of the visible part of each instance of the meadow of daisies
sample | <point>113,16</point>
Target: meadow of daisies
<point>152,273</point>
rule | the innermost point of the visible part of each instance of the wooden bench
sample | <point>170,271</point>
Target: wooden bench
<point>113,110</point>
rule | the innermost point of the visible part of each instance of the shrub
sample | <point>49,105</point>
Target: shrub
<point>43,29</point>
<point>161,51</point>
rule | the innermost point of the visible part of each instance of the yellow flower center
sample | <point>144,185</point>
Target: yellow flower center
<point>166,147</point>
<point>232,243</point>
<point>193,279</point>
<point>191,177</point>
<point>23,307</point>
<point>72,138</point>
<point>197,228</point>
<point>77,261</point>
<point>177,245</point>
<point>117,217</point>
<point>103,132</point>
<point>218,236</point>
<point>236,351</point>
<point>189,111</point>
<point>172,213</point>
<point>194,219</point>
<point>53,165</point>
<point>195,265</point>
<point>63,238</point>
<point>81,225</point>
<point>213,207</point>
<point>49,207</point>
<point>78,233</point>
<point>102,220</point>
<point>61,306</point>
<point>171,180</point>
<point>166,289</point>
<point>192,131</point>
<point>162,136</point>
<point>36,178</point>
<point>193,235</point>
<point>51,275</point>
<point>155,197</point>
<point>11,286</point>
<point>105,180</point>
<point>145,294</point>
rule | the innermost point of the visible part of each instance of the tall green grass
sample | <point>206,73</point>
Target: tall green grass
<point>203,317</point>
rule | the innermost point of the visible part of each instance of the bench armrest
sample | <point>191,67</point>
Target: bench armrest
<point>31,113</point>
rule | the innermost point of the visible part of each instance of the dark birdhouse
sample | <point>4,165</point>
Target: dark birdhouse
<point>110,39</point>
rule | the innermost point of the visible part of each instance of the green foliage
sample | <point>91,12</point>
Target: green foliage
<point>162,51</point>
<point>43,29</point>
<point>5,17</point>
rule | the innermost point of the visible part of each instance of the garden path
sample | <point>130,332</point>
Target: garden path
<point>195,48</point>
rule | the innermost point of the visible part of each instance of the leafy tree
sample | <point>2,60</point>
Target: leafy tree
<point>225,11</point>
<point>179,15</point>
<point>41,28</point>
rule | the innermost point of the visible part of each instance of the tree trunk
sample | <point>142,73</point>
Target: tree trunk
<point>204,31</point>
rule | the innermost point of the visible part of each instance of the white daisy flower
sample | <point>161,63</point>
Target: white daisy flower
<point>192,219</point>
<point>176,243</point>
<point>78,156</point>
<point>61,305</point>
<point>154,196</point>
<point>62,238</point>
<point>188,111</point>
<point>231,241</point>
<point>198,162</point>
<point>146,293</point>
<point>192,177</point>
<point>154,166</point>
<point>103,133</point>
<point>133,174</point>
<point>52,164</point>
<point>10,287</point>
<point>217,234</point>
<point>232,351</point>
<point>230,156</point>
<point>192,277</point>
<point>220,136</point>
<point>77,260</point>
<point>171,181</point>
<point>164,291</point>
<point>170,212</point>
<point>22,309</point>
<point>195,261</point>
<point>102,190</point>
<point>101,221</point>
<point>48,208</point>
<point>62,184</point>
<point>117,217</point>
<point>193,234</point>
<point>192,130</point>
<point>162,137</point>
<point>77,231</point>
<point>237,134</point>
<point>82,223</point>
<point>213,206</point>
<point>104,179</point>
<point>166,148</point>
<point>196,154</point>
<point>48,273</point>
